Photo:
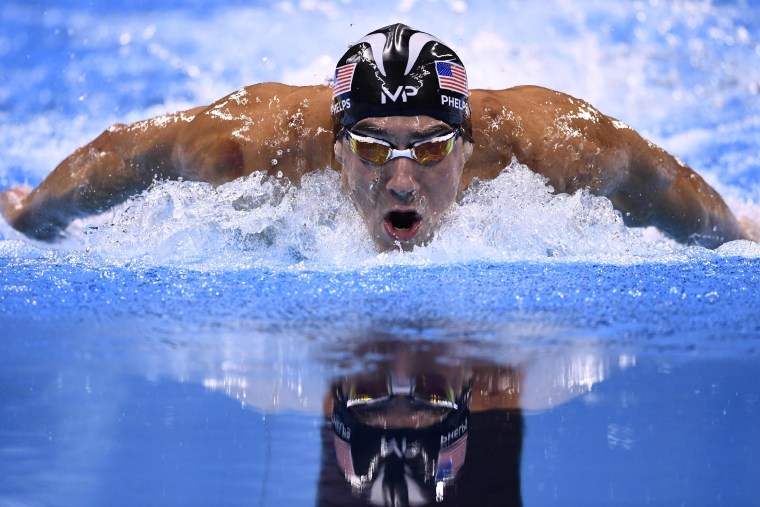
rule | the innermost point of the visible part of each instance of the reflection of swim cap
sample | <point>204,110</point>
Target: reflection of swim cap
<point>409,464</point>
<point>400,71</point>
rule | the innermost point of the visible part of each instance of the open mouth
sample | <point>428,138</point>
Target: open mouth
<point>402,225</point>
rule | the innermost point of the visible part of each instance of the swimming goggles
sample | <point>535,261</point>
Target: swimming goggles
<point>378,152</point>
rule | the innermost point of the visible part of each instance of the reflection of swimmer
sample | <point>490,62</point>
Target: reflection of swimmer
<point>400,441</point>
<point>407,136</point>
<point>418,431</point>
<point>413,436</point>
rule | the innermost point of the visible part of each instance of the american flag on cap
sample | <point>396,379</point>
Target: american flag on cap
<point>451,459</point>
<point>344,76</point>
<point>451,77</point>
<point>343,455</point>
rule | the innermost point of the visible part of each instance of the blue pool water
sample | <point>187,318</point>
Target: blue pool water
<point>180,350</point>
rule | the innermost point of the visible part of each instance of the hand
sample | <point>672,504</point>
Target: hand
<point>12,201</point>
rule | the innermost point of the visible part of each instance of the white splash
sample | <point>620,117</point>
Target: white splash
<point>265,221</point>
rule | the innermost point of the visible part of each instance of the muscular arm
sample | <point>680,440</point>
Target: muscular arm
<point>122,161</point>
<point>661,191</point>
<point>575,146</point>
<point>269,126</point>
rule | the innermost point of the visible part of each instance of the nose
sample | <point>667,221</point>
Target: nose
<point>401,182</point>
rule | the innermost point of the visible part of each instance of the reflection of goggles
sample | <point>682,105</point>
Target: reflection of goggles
<point>414,434</point>
<point>432,390</point>
<point>378,152</point>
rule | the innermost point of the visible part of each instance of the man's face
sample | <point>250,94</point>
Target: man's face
<point>402,201</point>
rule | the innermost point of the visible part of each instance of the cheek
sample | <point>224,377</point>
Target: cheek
<point>443,191</point>
<point>360,185</point>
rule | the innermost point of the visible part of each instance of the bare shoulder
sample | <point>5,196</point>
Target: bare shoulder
<point>264,127</point>
<point>540,111</point>
<point>136,140</point>
<point>562,137</point>
<point>522,99</point>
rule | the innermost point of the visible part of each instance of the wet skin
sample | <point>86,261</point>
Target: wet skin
<point>402,201</point>
<point>244,132</point>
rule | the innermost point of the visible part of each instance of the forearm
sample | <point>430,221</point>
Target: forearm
<point>121,162</point>
<point>697,214</point>
<point>663,192</point>
<point>87,182</point>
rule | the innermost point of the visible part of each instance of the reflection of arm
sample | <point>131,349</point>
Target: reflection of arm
<point>121,162</point>
<point>495,387</point>
<point>537,383</point>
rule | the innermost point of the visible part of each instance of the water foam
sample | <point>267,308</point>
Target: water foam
<point>516,216</point>
<point>265,221</point>
<point>258,221</point>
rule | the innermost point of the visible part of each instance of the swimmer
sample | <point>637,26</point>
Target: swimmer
<point>410,430</point>
<point>406,134</point>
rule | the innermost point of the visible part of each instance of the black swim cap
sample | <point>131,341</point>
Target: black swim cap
<point>400,71</point>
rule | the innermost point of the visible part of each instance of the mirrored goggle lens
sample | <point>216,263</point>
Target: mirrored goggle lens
<point>367,390</point>
<point>369,150</point>
<point>434,150</point>
<point>377,152</point>
<point>435,390</point>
